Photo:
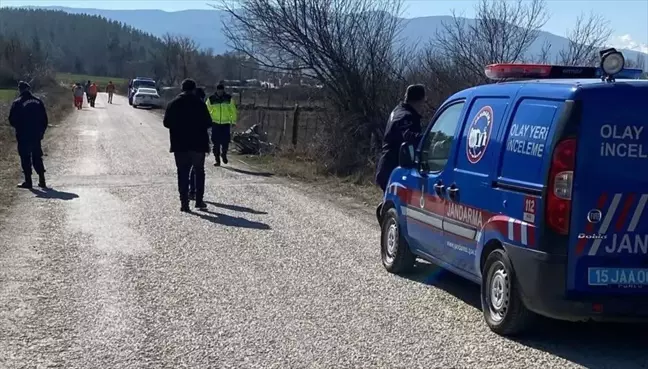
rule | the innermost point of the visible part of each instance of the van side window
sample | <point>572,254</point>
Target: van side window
<point>435,150</point>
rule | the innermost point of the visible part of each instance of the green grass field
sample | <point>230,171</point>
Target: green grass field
<point>8,95</point>
<point>69,78</point>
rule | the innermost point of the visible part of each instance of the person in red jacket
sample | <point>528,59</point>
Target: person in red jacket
<point>92,94</point>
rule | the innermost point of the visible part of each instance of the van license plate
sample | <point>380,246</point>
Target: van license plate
<point>617,276</point>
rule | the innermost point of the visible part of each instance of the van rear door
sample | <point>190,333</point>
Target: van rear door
<point>608,231</point>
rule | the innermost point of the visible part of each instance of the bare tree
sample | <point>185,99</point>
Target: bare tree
<point>346,45</point>
<point>169,54</point>
<point>503,31</point>
<point>588,36</point>
<point>544,57</point>
<point>20,62</point>
<point>638,62</point>
<point>187,50</point>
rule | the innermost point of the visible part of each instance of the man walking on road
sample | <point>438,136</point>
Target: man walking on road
<point>28,116</point>
<point>86,88</point>
<point>223,115</point>
<point>78,96</point>
<point>404,125</point>
<point>110,89</point>
<point>187,119</point>
<point>192,173</point>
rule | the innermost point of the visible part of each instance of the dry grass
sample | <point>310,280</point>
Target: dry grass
<point>7,95</point>
<point>298,162</point>
<point>69,79</point>
<point>58,105</point>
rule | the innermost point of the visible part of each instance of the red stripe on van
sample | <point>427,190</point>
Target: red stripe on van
<point>624,212</point>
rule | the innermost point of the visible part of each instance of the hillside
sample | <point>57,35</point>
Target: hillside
<point>81,43</point>
<point>204,26</point>
<point>84,44</point>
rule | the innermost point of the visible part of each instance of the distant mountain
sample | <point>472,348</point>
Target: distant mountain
<point>205,27</point>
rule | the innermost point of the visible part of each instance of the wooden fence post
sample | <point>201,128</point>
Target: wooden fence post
<point>283,128</point>
<point>295,127</point>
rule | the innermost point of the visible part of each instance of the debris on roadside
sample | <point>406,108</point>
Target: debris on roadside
<point>253,141</point>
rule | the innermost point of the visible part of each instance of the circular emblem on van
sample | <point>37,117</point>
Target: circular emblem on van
<point>479,133</point>
<point>594,216</point>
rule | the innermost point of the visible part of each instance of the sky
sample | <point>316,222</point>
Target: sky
<point>628,18</point>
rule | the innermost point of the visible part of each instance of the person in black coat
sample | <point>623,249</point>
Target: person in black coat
<point>28,116</point>
<point>187,119</point>
<point>200,92</point>
<point>404,125</point>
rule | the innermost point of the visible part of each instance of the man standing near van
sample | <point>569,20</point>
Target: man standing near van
<point>404,125</point>
<point>223,115</point>
<point>188,120</point>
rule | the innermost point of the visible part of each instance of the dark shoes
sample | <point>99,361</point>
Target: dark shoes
<point>224,156</point>
<point>199,203</point>
<point>185,208</point>
<point>28,183</point>
<point>25,185</point>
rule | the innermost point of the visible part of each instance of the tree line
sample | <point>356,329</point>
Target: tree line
<point>351,47</point>
<point>57,41</point>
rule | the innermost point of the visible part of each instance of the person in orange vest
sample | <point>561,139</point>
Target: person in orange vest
<point>92,94</point>
<point>110,89</point>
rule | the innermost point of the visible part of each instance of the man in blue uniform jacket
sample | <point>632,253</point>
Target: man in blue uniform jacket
<point>404,125</point>
<point>28,116</point>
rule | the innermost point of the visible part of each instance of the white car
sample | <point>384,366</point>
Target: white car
<point>146,96</point>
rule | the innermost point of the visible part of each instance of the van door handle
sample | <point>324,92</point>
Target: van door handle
<point>439,188</point>
<point>453,192</point>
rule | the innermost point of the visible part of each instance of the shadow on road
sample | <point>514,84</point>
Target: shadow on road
<point>438,277</point>
<point>50,193</point>
<point>592,345</point>
<point>241,209</point>
<point>229,221</point>
<point>242,171</point>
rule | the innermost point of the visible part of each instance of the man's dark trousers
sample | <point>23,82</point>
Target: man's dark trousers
<point>192,181</point>
<point>31,154</point>
<point>184,163</point>
<point>220,137</point>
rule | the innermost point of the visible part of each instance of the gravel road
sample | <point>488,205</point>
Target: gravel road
<point>104,271</point>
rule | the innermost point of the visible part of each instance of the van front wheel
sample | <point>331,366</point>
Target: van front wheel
<point>502,305</point>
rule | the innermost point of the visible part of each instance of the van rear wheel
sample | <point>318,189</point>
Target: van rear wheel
<point>502,305</point>
<point>395,253</point>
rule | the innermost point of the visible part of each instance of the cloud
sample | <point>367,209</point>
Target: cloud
<point>626,42</point>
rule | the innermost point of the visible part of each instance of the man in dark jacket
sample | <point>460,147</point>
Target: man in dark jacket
<point>200,92</point>
<point>187,119</point>
<point>86,88</point>
<point>29,118</point>
<point>404,125</point>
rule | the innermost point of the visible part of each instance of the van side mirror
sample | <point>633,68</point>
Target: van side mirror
<point>406,156</point>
